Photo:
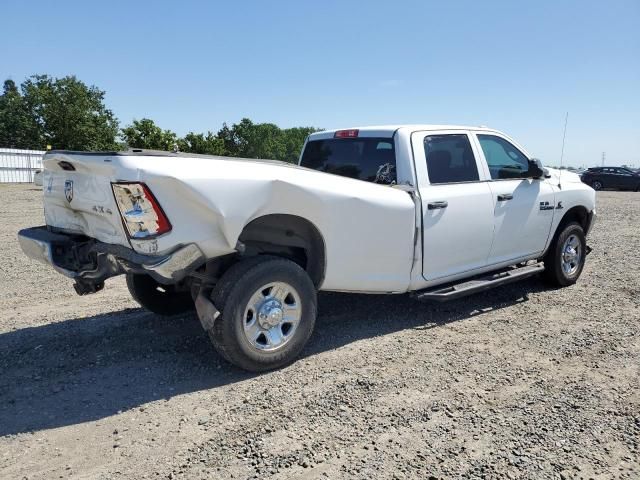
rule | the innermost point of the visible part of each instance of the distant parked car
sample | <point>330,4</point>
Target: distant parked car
<point>618,178</point>
<point>37,178</point>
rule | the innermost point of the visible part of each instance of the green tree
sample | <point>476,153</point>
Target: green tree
<point>17,128</point>
<point>68,114</point>
<point>146,134</point>
<point>263,140</point>
<point>199,143</point>
<point>294,139</point>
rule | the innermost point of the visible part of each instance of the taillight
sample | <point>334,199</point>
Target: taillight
<point>141,213</point>
<point>353,133</point>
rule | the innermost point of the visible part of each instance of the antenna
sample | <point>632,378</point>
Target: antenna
<point>564,135</point>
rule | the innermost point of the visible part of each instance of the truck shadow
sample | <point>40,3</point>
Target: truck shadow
<point>81,370</point>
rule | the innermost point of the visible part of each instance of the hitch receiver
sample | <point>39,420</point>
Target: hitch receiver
<point>83,287</point>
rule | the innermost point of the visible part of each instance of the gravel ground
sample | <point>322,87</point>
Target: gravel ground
<point>520,382</point>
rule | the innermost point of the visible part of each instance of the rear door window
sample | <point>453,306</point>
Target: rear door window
<point>369,159</point>
<point>450,159</point>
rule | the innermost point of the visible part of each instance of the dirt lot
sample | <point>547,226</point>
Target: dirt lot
<point>520,382</point>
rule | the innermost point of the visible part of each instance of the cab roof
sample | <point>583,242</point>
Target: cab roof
<point>387,131</point>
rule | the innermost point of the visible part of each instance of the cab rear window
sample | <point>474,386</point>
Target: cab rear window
<point>369,159</point>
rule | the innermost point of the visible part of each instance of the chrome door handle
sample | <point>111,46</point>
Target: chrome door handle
<point>436,205</point>
<point>504,197</point>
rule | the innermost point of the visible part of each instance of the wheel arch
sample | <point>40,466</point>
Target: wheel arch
<point>288,236</point>
<point>577,213</point>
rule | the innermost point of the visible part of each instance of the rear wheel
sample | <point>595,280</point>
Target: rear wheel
<point>565,259</point>
<point>268,310</point>
<point>158,298</point>
<point>597,185</point>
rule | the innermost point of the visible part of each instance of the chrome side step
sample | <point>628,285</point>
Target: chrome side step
<point>452,291</point>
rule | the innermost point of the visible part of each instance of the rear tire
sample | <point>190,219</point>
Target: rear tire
<point>597,185</point>
<point>268,311</point>
<point>566,256</point>
<point>158,298</point>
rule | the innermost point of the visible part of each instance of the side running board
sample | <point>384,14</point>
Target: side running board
<point>452,291</point>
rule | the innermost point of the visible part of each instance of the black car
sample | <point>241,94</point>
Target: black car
<point>618,178</point>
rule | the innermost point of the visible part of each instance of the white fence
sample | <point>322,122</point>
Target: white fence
<point>19,166</point>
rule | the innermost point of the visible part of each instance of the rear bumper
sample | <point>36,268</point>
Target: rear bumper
<point>91,261</point>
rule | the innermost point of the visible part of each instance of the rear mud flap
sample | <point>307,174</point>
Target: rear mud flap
<point>206,310</point>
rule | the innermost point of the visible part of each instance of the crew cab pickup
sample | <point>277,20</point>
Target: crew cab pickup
<point>438,211</point>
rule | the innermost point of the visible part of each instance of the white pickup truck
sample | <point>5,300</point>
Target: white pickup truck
<point>439,211</point>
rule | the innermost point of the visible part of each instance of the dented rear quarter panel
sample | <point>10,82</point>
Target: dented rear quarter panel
<point>368,229</point>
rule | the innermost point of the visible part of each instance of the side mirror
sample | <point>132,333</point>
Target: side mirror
<point>536,170</point>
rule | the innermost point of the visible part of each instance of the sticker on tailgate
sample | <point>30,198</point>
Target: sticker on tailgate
<point>68,190</point>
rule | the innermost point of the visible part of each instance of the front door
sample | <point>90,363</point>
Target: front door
<point>457,207</point>
<point>523,207</point>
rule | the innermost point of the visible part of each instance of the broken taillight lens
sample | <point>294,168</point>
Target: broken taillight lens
<point>141,213</point>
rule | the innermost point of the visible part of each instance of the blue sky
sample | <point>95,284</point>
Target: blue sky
<point>515,66</point>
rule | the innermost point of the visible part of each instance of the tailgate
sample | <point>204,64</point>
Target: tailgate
<point>78,197</point>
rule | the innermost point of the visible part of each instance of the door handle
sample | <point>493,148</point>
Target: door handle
<point>503,197</point>
<point>436,205</point>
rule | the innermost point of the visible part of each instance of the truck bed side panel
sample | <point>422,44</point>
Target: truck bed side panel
<point>367,229</point>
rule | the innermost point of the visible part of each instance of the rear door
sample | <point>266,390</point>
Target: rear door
<point>523,207</point>
<point>625,178</point>
<point>457,206</point>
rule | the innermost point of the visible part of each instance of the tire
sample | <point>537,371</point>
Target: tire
<point>246,297</point>
<point>562,267</point>
<point>157,298</point>
<point>597,185</point>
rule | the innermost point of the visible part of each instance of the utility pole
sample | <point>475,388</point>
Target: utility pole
<point>604,157</point>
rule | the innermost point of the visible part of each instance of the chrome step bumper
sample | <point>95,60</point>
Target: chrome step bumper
<point>90,261</point>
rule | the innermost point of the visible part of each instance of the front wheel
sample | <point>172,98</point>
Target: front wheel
<point>268,310</point>
<point>565,259</point>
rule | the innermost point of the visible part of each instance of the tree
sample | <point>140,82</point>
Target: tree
<point>199,143</point>
<point>294,139</point>
<point>146,134</point>
<point>67,114</point>
<point>17,128</point>
<point>263,140</point>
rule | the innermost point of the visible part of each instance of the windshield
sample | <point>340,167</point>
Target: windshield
<point>369,159</point>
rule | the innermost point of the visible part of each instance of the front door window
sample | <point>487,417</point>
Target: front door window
<point>504,160</point>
